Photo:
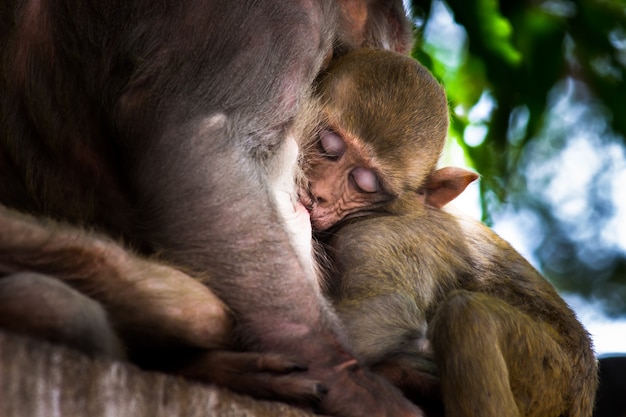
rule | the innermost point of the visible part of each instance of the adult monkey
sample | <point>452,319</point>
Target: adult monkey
<point>171,126</point>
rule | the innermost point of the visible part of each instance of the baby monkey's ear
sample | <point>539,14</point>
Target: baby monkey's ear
<point>444,185</point>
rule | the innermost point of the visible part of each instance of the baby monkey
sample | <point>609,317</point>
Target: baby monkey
<point>438,304</point>
<point>384,124</point>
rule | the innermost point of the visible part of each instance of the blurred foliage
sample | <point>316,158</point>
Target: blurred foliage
<point>533,84</point>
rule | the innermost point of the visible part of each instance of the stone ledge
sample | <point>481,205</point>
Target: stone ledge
<point>38,379</point>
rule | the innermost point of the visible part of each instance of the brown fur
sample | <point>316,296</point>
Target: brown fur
<point>161,125</point>
<point>445,290</point>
